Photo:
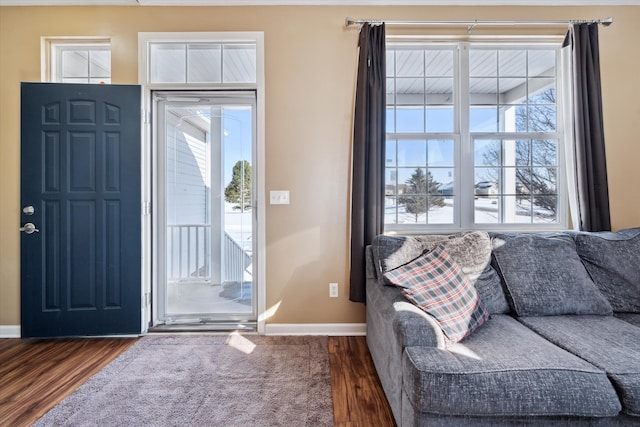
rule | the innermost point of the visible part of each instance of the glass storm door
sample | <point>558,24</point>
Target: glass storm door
<point>205,208</point>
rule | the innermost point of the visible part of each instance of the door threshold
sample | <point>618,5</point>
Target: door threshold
<point>205,327</point>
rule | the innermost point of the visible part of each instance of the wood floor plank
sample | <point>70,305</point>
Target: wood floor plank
<point>358,398</point>
<point>35,375</point>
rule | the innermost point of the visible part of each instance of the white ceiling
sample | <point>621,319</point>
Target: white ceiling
<point>318,2</point>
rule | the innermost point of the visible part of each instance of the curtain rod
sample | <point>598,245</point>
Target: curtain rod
<point>471,24</point>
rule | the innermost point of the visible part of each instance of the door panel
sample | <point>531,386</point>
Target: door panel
<point>80,171</point>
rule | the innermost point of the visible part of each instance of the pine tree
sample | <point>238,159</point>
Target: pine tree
<point>416,189</point>
<point>239,189</point>
<point>433,189</point>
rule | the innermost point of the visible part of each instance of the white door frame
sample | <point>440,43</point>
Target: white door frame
<point>162,101</point>
<point>149,158</point>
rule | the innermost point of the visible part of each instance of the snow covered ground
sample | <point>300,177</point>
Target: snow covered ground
<point>486,212</point>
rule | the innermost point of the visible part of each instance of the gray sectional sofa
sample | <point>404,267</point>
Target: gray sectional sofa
<point>561,345</point>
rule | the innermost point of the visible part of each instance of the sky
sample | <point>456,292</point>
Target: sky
<point>237,131</point>
<point>438,154</point>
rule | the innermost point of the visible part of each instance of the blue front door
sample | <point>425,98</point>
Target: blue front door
<point>81,210</point>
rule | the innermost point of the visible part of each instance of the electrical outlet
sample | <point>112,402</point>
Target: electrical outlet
<point>333,290</point>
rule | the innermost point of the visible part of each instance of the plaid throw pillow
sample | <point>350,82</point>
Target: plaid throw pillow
<point>435,283</point>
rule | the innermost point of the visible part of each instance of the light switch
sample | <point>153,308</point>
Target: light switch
<point>279,197</point>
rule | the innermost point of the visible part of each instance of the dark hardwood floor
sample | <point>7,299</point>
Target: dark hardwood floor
<point>358,399</point>
<point>37,374</point>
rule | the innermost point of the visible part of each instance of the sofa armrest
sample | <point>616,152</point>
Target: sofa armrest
<point>370,269</point>
<point>391,316</point>
<point>413,327</point>
<point>393,324</point>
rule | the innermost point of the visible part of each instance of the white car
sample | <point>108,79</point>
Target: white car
<point>486,189</point>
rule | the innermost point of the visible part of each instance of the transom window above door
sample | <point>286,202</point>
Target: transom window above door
<point>202,62</point>
<point>77,60</point>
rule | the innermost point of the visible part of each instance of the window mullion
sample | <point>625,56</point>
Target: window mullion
<point>464,161</point>
<point>186,63</point>
<point>88,66</point>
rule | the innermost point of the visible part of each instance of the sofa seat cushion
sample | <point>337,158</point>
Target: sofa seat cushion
<point>611,344</point>
<point>633,318</point>
<point>544,275</point>
<point>505,369</point>
<point>613,261</point>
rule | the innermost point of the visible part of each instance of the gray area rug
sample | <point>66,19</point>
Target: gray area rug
<point>199,380</point>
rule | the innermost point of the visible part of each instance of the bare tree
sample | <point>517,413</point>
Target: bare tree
<point>541,155</point>
<point>536,160</point>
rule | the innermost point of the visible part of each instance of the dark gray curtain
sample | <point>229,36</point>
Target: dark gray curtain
<point>591,166</point>
<point>367,183</point>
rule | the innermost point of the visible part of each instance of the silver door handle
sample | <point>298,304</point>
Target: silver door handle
<point>29,228</point>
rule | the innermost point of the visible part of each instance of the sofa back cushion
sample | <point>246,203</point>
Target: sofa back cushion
<point>613,261</point>
<point>490,289</point>
<point>471,250</point>
<point>544,275</point>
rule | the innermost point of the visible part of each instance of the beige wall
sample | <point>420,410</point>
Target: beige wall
<point>310,69</point>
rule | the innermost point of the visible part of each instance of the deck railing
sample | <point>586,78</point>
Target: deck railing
<point>236,261</point>
<point>189,255</point>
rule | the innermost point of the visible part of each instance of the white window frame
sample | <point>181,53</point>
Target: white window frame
<point>149,155</point>
<point>52,48</point>
<point>464,168</point>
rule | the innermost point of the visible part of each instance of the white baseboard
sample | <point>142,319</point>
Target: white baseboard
<point>9,331</point>
<point>328,329</point>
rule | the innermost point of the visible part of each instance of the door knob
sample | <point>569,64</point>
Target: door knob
<point>29,228</point>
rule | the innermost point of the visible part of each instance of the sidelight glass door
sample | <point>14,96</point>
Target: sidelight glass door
<point>205,202</point>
